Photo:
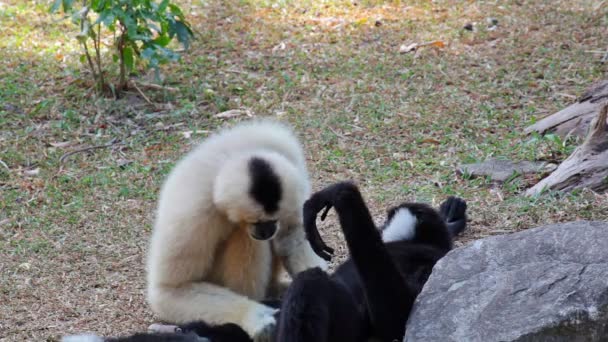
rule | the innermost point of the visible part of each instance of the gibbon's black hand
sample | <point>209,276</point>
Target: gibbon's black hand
<point>311,208</point>
<point>324,215</point>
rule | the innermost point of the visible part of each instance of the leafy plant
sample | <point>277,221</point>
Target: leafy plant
<point>557,146</point>
<point>141,30</point>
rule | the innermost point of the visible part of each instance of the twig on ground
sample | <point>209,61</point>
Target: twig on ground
<point>142,93</point>
<point>156,86</point>
<point>4,164</point>
<point>109,144</point>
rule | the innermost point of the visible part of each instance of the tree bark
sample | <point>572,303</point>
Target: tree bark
<point>574,119</point>
<point>587,166</point>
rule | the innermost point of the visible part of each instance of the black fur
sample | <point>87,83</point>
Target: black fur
<point>265,185</point>
<point>192,332</point>
<point>372,293</point>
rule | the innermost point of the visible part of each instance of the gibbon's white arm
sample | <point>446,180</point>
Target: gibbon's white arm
<point>215,304</point>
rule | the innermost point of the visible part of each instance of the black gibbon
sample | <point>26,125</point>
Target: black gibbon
<point>229,222</point>
<point>372,293</point>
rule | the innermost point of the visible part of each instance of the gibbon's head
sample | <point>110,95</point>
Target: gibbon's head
<point>257,190</point>
<point>415,222</point>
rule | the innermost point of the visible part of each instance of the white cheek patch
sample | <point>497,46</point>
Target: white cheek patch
<point>401,227</point>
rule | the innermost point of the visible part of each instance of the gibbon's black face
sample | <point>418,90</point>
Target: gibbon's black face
<point>266,190</point>
<point>266,187</point>
<point>263,230</point>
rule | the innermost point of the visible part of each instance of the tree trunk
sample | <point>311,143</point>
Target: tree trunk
<point>587,166</point>
<point>574,119</point>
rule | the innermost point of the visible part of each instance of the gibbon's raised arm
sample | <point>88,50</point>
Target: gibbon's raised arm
<point>389,298</point>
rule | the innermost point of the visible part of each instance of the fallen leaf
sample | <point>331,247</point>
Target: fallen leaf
<point>188,134</point>
<point>408,48</point>
<point>361,21</point>
<point>233,113</point>
<point>61,144</point>
<point>415,46</point>
<point>32,172</point>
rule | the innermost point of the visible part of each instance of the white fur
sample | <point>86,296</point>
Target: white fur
<point>200,264</point>
<point>82,338</point>
<point>401,227</point>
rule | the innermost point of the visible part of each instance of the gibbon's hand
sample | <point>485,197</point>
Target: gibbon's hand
<point>321,200</point>
<point>260,323</point>
<point>311,209</point>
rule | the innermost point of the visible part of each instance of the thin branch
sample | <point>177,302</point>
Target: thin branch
<point>4,164</point>
<point>141,93</point>
<point>110,144</point>
<point>156,87</point>
<point>97,43</point>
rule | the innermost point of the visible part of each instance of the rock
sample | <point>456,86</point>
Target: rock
<point>543,284</point>
<point>500,170</point>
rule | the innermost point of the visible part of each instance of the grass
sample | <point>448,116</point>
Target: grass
<point>73,233</point>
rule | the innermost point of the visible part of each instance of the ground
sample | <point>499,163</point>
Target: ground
<point>74,227</point>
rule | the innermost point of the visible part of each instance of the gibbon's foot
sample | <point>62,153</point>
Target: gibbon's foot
<point>163,328</point>
<point>453,210</point>
<point>260,323</point>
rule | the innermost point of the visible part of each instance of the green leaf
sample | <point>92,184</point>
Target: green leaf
<point>184,33</point>
<point>128,59</point>
<point>163,6</point>
<point>55,6</point>
<point>162,40</point>
<point>67,5</point>
<point>106,17</point>
<point>176,10</point>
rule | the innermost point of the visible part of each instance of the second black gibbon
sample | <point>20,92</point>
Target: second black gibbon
<point>372,293</point>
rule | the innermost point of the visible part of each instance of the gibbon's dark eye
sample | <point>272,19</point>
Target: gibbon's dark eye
<point>263,230</point>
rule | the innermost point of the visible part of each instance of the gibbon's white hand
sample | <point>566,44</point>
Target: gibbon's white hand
<point>260,323</point>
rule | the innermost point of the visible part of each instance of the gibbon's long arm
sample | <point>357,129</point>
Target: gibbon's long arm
<point>389,298</point>
<point>214,304</point>
<point>295,249</point>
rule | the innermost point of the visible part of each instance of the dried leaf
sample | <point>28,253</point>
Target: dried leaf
<point>188,134</point>
<point>414,46</point>
<point>233,113</point>
<point>408,48</point>
<point>361,21</point>
<point>61,144</point>
<point>32,172</point>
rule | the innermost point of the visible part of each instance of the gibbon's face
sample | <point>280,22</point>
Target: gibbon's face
<point>252,202</point>
<point>266,191</point>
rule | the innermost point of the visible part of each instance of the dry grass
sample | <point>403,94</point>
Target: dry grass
<point>73,235</point>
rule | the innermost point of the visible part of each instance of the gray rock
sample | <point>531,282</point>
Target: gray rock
<point>500,170</point>
<point>543,284</point>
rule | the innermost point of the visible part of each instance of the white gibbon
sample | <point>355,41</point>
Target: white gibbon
<point>229,221</point>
